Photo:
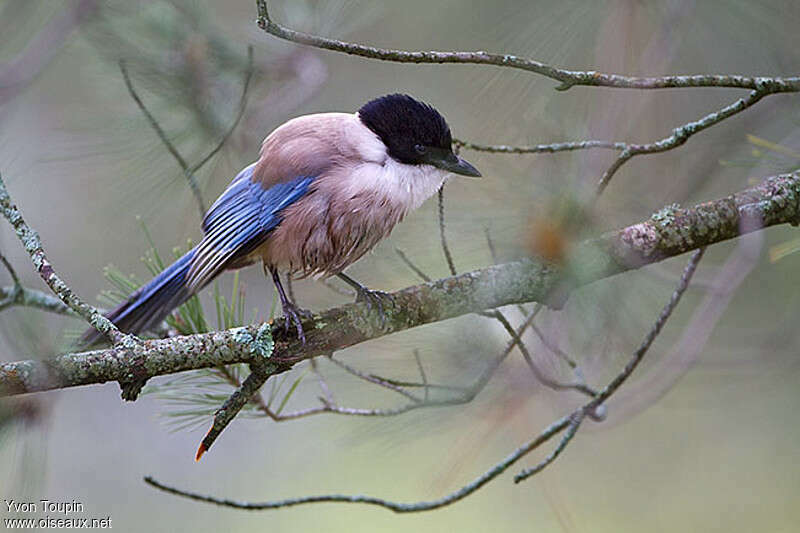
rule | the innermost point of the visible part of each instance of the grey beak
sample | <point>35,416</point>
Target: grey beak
<point>452,163</point>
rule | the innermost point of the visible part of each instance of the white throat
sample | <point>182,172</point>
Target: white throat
<point>412,184</point>
<point>402,184</point>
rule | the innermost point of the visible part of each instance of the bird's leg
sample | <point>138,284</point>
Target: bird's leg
<point>290,311</point>
<point>369,296</point>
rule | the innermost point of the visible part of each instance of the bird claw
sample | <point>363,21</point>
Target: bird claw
<point>292,313</point>
<point>375,298</point>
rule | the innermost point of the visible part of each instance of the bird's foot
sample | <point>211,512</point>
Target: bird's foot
<point>370,297</point>
<point>294,314</point>
<point>375,299</point>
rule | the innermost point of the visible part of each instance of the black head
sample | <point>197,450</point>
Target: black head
<point>413,132</point>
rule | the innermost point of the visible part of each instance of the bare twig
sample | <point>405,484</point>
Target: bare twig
<point>490,245</point>
<point>11,296</point>
<point>323,385</point>
<point>634,361</point>
<point>422,373</point>
<point>189,171</point>
<point>123,67</point>
<point>574,423</point>
<point>397,507</point>
<point>248,76</point>
<point>11,271</point>
<point>629,150</point>
<point>375,380</point>
<point>464,394</point>
<point>681,134</point>
<point>418,271</point>
<point>447,255</point>
<point>18,295</point>
<point>540,148</point>
<point>567,78</point>
<point>543,379</point>
<point>553,347</point>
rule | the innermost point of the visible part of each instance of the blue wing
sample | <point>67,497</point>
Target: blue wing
<point>239,221</point>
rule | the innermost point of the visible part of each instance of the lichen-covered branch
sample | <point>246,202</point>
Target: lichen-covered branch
<point>670,232</point>
<point>567,78</point>
<point>18,295</point>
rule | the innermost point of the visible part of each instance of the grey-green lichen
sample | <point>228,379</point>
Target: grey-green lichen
<point>260,344</point>
<point>665,216</point>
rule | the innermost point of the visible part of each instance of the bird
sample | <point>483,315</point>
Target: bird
<point>325,190</point>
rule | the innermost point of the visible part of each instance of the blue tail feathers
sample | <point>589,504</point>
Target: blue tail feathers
<point>152,303</point>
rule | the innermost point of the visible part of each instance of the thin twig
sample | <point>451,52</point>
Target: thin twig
<point>323,385</point>
<point>11,271</point>
<point>421,372</point>
<point>447,255</point>
<point>681,134</point>
<point>422,275</point>
<point>189,171</point>
<point>574,423</point>
<point>567,78</point>
<point>553,347</point>
<point>375,380</point>
<point>545,380</point>
<point>686,277</point>
<point>397,507</point>
<point>13,295</point>
<point>248,75</point>
<point>465,394</point>
<point>432,386</point>
<point>123,67</point>
<point>540,148</point>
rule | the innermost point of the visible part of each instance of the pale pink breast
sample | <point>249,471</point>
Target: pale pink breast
<point>330,228</point>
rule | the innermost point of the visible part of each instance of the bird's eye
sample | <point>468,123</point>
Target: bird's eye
<point>420,149</point>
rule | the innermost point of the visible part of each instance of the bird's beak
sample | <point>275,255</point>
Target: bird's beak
<point>452,163</point>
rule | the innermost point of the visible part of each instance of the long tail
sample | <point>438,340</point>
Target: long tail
<point>152,303</point>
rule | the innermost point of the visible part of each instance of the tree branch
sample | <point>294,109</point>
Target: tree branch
<point>567,78</point>
<point>670,232</point>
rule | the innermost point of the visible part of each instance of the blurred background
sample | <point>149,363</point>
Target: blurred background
<point>704,436</point>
